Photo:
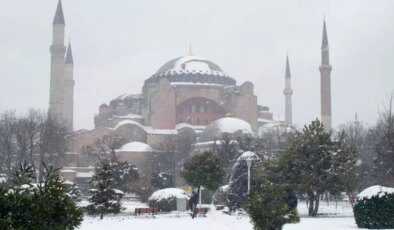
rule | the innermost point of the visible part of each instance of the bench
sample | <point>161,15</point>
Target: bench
<point>141,211</point>
<point>202,211</point>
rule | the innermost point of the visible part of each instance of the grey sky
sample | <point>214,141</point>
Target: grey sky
<point>118,44</point>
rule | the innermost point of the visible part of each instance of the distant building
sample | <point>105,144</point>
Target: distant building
<point>186,93</point>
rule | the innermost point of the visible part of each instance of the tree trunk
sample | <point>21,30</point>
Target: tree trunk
<point>351,198</point>
<point>316,208</point>
<point>311,202</point>
<point>101,216</point>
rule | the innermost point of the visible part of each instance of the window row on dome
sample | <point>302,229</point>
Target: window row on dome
<point>203,78</point>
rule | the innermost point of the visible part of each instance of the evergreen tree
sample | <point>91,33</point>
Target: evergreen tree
<point>124,174</point>
<point>105,197</point>
<point>268,209</point>
<point>227,151</point>
<point>162,180</point>
<point>204,170</point>
<point>347,168</point>
<point>314,164</point>
<point>238,185</point>
<point>74,192</point>
<point>38,206</point>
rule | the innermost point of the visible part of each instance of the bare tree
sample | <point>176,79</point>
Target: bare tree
<point>384,132</point>
<point>34,138</point>
<point>7,146</point>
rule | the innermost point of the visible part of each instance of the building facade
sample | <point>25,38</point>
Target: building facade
<point>186,91</point>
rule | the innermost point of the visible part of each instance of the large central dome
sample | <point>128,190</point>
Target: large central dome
<point>191,69</point>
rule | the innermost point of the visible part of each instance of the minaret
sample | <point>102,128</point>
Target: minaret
<point>68,88</point>
<point>288,92</point>
<point>57,50</point>
<point>325,82</point>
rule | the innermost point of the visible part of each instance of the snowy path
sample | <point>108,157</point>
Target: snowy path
<point>214,221</point>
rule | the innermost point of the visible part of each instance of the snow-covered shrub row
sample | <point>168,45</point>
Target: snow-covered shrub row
<point>374,208</point>
<point>165,199</point>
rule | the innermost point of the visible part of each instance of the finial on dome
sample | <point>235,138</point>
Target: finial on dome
<point>356,122</point>
<point>190,53</point>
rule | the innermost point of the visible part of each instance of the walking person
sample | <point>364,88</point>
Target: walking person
<point>193,203</point>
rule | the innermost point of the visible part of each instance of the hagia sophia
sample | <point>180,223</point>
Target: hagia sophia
<point>186,93</point>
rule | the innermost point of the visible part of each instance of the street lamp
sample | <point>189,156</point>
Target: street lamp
<point>199,196</point>
<point>249,164</point>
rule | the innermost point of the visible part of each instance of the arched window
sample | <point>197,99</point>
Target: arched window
<point>198,107</point>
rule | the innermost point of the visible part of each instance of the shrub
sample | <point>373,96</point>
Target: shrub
<point>268,209</point>
<point>164,205</point>
<point>374,208</point>
<point>165,199</point>
<point>38,206</point>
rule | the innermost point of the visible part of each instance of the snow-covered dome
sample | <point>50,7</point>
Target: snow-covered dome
<point>192,68</point>
<point>232,125</point>
<point>135,146</point>
<point>191,63</point>
<point>225,125</point>
<point>167,193</point>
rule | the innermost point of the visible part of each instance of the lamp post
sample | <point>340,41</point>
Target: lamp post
<point>249,164</point>
<point>199,196</point>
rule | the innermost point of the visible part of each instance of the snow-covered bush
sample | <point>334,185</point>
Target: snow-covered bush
<point>238,185</point>
<point>165,199</point>
<point>374,208</point>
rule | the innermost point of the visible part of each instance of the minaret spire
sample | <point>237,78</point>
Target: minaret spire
<point>69,55</point>
<point>324,44</point>
<point>59,17</point>
<point>288,92</point>
<point>325,82</point>
<point>68,88</point>
<point>287,74</point>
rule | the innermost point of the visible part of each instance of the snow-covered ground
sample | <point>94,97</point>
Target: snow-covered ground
<point>339,218</point>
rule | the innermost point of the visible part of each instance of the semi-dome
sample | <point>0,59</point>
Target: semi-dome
<point>228,125</point>
<point>192,69</point>
<point>135,146</point>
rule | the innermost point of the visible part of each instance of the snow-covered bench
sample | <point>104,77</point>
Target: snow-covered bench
<point>142,211</point>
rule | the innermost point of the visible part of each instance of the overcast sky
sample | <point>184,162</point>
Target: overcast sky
<point>118,44</point>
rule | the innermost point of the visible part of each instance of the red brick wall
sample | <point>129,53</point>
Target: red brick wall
<point>198,111</point>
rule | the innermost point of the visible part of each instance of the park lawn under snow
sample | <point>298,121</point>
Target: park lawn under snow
<point>215,220</point>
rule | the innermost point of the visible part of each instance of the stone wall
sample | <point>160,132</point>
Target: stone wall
<point>162,106</point>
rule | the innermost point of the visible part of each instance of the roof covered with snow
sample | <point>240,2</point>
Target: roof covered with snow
<point>147,129</point>
<point>167,193</point>
<point>232,125</point>
<point>193,69</point>
<point>225,125</point>
<point>135,146</point>
<point>191,63</point>
<point>375,190</point>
